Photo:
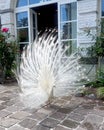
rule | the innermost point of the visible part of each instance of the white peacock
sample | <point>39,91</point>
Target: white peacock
<point>45,71</point>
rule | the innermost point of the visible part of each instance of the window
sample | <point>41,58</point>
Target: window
<point>22,28</point>
<point>68,26</point>
<point>22,3</point>
<point>102,16</point>
<point>37,1</point>
<point>102,7</point>
<point>0,23</point>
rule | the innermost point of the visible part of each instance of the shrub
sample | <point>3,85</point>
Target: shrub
<point>8,52</point>
<point>100,92</point>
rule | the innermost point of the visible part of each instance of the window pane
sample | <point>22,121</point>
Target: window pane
<point>72,46</point>
<point>102,7</point>
<point>69,30</point>
<point>69,12</point>
<point>102,26</point>
<point>22,19</point>
<point>37,1</point>
<point>23,35</point>
<point>21,3</point>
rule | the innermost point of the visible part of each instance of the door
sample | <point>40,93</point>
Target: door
<point>33,25</point>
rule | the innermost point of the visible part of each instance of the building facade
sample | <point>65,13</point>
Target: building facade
<point>25,18</point>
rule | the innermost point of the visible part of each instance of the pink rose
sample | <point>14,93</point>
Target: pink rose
<point>5,30</point>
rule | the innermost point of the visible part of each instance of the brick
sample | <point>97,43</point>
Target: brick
<point>4,113</point>
<point>38,116</point>
<point>58,115</point>
<point>20,115</point>
<point>7,122</point>
<point>40,127</point>
<point>48,122</point>
<point>2,128</point>
<point>61,128</point>
<point>76,117</point>
<point>28,123</point>
<point>92,121</point>
<point>16,127</point>
<point>70,123</point>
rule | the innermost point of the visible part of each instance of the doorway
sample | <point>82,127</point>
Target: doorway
<point>45,17</point>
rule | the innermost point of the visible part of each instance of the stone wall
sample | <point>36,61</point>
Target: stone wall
<point>7,14</point>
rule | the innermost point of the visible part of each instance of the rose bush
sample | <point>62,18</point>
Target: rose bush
<point>8,53</point>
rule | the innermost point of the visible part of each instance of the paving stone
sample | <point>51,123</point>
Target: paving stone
<point>40,127</point>
<point>92,122</point>
<point>97,112</point>
<point>82,111</point>
<point>102,127</point>
<point>7,122</point>
<point>88,106</point>
<point>58,115</point>
<point>44,111</point>
<point>4,113</point>
<point>28,123</point>
<point>70,123</point>
<point>53,106</point>
<point>16,127</point>
<point>100,103</point>
<point>20,115</point>
<point>59,102</point>
<point>5,98</point>
<point>30,110</point>
<point>14,108</point>
<point>48,122</point>
<point>75,116</point>
<point>38,116</point>
<point>65,110</point>
<point>80,128</point>
<point>7,103</point>
<point>2,107</point>
<point>61,128</point>
<point>101,107</point>
<point>2,128</point>
<point>1,102</point>
<point>68,98</point>
<point>18,103</point>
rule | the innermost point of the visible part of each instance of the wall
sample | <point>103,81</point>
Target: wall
<point>7,14</point>
<point>88,15</point>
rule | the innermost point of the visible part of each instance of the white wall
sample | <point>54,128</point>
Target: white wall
<point>87,17</point>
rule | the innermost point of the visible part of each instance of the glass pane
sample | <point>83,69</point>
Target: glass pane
<point>72,46</point>
<point>102,7</point>
<point>34,20</point>
<point>22,19</point>
<point>102,26</point>
<point>21,3</point>
<point>23,35</point>
<point>37,1</point>
<point>69,12</point>
<point>69,30</point>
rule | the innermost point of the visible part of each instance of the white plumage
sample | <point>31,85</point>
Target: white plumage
<point>45,71</point>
